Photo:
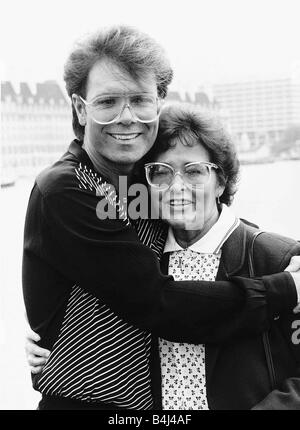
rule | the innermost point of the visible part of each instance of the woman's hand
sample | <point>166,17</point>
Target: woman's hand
<point>294,269</point>
<point>36,356</point>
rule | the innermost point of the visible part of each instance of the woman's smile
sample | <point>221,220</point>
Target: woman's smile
<point>178,203</point>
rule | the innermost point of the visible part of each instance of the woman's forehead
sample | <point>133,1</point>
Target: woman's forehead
<point>180,153</point>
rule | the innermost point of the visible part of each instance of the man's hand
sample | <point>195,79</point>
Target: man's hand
<point>294,269</point>
<point>36,356</point>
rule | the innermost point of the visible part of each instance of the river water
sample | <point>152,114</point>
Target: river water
<point>268,195</point>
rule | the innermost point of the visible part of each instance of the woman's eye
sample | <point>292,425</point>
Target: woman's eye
<point>161,172</point>
<point>193,172</point>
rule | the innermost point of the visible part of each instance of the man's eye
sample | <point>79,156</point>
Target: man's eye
<point>105,103</point>
<point>141,100</point>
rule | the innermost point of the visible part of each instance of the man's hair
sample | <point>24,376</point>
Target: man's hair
<point>189,125</point>
<point>133,51</point>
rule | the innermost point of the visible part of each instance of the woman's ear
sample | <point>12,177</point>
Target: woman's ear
<point>80,109</point>
<point>219,190</point>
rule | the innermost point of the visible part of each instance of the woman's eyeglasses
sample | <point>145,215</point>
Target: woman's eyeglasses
<point>162,175</point>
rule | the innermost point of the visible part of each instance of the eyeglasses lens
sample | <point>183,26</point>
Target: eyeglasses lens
<point>161,175</point>
<point>106,108</point>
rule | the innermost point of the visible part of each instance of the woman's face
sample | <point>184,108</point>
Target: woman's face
<point>183,206</point>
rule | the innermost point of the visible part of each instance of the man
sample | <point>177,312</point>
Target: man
<point>83,274</point>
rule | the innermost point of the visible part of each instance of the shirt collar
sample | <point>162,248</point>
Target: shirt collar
<point>213,240</point>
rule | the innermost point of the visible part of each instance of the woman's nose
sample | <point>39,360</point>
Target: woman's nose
<point>178,183</point>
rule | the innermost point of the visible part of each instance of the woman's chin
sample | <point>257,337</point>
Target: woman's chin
<point>190,220</point>
<point>185,224</point>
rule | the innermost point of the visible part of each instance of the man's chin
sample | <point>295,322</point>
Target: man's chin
<point>127,160</point>
<point>128,155</point>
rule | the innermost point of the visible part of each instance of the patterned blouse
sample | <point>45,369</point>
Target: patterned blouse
<point>183,364</point>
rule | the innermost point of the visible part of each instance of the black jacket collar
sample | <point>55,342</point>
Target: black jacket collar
<point>78,152</point>
<point>233,251</point>
<point>235,248</point>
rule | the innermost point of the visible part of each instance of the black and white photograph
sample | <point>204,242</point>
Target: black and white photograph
<point>150,207</point>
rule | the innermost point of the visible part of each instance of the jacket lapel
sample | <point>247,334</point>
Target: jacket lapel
<point>233,252</point>
<point>78,152</point>
<point>232,260</point>
<point>164,263</point>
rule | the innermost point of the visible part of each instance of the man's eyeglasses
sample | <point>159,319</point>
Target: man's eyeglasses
<point>108,109</point>
<point>162,175</point>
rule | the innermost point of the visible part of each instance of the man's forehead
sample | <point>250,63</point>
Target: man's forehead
<point>107,77</point>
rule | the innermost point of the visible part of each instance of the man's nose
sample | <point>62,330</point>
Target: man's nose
<point>127,116</point>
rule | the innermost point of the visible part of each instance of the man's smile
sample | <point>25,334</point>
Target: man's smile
<point>124,136</point>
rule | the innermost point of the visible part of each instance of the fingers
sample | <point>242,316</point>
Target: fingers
<point>32,336</point>
<point>36,361</point>
<point>297,309</point>
<point>296,279</point>
<point>294,264</point>
<point>36,369</point>
<point>33,349</point>
<point>36,356</point>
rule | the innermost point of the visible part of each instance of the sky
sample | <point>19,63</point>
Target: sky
<point>207,41</point>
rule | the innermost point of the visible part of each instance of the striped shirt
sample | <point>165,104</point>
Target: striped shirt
<point>79,273</point>
<point>98,357</point>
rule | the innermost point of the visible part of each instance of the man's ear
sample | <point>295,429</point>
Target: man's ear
<point>80,109</point>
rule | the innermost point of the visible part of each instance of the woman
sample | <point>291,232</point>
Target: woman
<point>192,166</point>
<point>193,176</point>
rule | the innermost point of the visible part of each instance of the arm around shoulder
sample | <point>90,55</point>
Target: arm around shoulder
<point>106,258</point>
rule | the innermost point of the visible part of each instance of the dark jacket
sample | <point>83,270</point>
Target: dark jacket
<point>237,374</point>
<point>65,243</point>
<point>67,246</point>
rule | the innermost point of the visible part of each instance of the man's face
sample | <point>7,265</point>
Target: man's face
<point>125,141</point>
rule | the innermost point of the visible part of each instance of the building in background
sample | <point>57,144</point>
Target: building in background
<point>200,98</point>
<point>260,112</point>
<point>36,127</point>
<point>204,98</point>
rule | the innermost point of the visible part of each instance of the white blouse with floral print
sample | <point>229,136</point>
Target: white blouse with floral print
<point>183,364</point>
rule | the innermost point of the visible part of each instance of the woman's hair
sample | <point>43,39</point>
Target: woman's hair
<point>187,124</point>
<point>133,51</point>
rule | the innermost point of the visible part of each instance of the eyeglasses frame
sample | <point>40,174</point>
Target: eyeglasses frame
<point>175,172</point>
<point>126,105</point>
